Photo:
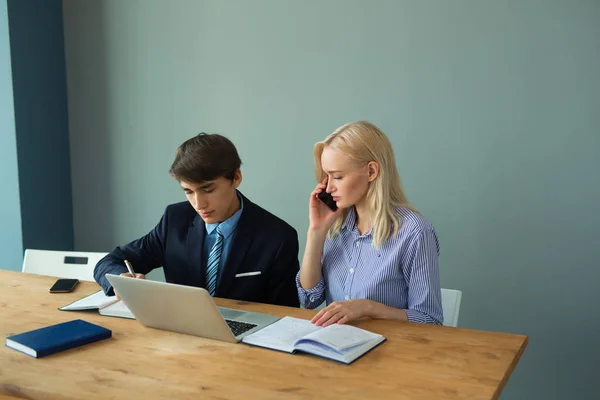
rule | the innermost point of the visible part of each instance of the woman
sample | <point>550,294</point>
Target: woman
<point>376,256</point>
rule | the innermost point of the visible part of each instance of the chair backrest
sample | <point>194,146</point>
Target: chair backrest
<point>62,264</point>
<point>451,306</point>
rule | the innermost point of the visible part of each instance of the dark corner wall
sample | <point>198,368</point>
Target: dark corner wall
<point>37,59</point>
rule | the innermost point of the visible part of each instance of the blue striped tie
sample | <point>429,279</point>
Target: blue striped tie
<point>212,266</point>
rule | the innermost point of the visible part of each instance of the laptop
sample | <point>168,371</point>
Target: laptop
<point>185,309</point>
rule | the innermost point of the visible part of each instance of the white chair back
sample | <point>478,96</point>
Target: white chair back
<point>451,305</point>
<point>62,264</point>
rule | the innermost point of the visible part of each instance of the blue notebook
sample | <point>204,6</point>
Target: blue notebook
<point>54,338</point>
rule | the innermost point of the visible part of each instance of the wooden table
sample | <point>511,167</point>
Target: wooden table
<point>417,361</point>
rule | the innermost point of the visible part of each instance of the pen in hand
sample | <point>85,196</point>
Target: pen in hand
<point>130,268</point>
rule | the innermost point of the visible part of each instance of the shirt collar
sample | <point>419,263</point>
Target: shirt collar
<point>349,223</point>
<point>228,226</point>
<point>350,220</point>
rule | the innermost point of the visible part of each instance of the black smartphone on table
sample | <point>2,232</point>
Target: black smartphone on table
<point>64,285</point>
<point>327,198</point>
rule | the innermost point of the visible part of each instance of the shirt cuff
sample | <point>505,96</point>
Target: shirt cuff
<point>311,298</point>
<point>419,317</point>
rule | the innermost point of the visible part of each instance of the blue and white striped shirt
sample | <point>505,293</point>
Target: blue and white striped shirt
<point>402,274</point>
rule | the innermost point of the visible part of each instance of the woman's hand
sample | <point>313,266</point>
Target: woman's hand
<point>341,312</point>
<point>321,217</point>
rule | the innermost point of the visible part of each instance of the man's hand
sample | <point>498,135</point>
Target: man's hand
<point>137,276</point>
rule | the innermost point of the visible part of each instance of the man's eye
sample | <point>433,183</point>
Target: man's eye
<point>208,190</point>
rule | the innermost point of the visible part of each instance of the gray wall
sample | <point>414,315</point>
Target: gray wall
<point>492,108</point>
<point>11,239</point>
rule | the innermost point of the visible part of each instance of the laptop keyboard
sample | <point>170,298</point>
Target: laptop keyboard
<point>237,327</point>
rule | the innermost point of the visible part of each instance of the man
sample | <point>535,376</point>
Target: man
<point>218,239</point>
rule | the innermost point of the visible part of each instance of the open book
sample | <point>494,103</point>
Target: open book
<point>106,305</point>
<point>343,343</point>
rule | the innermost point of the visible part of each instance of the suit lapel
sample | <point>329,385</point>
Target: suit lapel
<point>195,252</point>
<point>242,239</point>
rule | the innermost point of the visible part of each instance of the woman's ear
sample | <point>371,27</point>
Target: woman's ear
<point>373,170</point>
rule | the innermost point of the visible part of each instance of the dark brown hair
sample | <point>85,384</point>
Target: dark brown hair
<point>205,157</point>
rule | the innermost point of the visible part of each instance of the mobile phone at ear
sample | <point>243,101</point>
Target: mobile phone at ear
<point>327,198</point>
<point>64,285</point>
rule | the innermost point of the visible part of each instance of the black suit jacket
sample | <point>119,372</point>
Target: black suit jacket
<point>261,242</point>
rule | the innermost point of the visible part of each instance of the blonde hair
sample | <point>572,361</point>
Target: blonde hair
<point>363,142</point>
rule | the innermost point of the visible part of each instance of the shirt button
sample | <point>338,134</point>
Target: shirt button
<point>351,270</point>
<point>347,297</point>
<point>357,244</point>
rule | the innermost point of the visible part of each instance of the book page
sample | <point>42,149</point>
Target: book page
<point>282,334</point>
<point>341,337</point>
<point>118,309</point>
<point>93,301</point>
<point>346,355</point>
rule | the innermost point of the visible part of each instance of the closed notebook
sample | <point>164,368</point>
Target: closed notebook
<point>343,343</point>
<point>54,338</point>
<point>109,306</point>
